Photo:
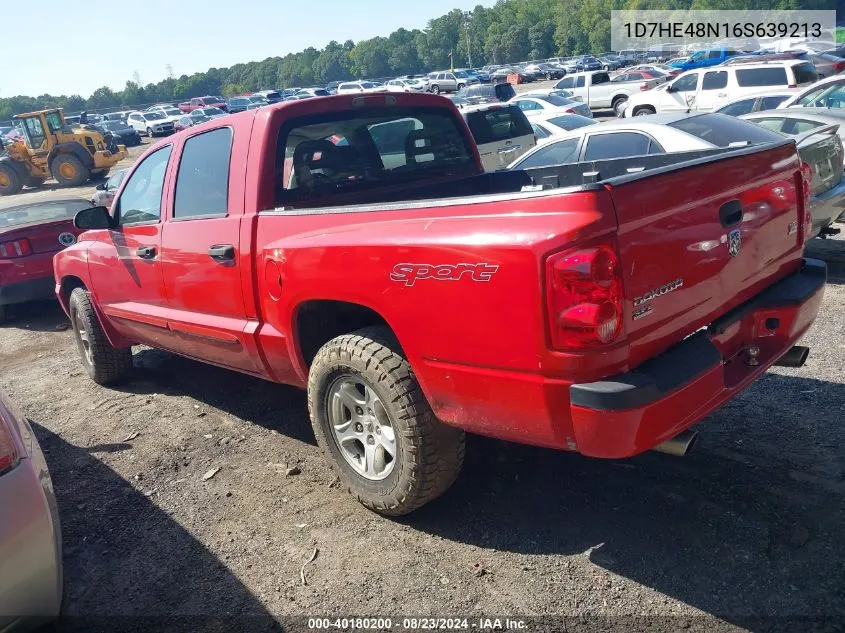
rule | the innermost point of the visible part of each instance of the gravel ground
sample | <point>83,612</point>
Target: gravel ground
<point>744,533</point>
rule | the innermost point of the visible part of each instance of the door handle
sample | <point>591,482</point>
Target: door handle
<point>730,213</point>
<point>146,252</point>
<point>222,252</point>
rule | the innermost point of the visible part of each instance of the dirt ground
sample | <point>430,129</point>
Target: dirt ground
<point>746,533</point>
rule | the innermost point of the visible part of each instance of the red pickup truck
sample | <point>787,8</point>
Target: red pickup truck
<point>203,102</point>
<point>353,246</point>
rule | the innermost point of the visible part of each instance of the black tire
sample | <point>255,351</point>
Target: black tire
<point>461,86</point>
<point>80,172</point>
<point>435,89</point>
<point>106,365</point>
<point>643,111</point>
<point>10,180</point>
<point>150,132</point>
<point>617,104</point>
<point>2,314</point>
<point>429,454</point>
<point>100,175</point>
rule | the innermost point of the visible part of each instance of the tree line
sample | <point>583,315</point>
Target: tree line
<point>510,31</point>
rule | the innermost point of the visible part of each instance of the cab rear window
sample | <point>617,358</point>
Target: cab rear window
<point>346,152</point>
<point>498,124</point>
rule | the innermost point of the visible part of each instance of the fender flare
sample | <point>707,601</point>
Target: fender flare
<point>70,148</point>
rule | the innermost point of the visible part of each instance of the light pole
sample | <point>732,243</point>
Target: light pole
<point>467,17</point>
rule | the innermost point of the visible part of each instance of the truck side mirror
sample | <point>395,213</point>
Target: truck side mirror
<point>100,186</point>
<point>94,218</point>
<point>670,88</point>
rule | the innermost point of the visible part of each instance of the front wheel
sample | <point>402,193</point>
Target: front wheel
<point>69,171</point>
<point>10,180</point>
<point>150,132</point>
<point>435,89</point>
<point>644,111</point>
<point>104,363</point>
<point>375,427</point>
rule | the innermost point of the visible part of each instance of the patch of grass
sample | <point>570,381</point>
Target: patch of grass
<point>840,35</point>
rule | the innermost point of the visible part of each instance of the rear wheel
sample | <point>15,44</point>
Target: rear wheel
<point>643,111</point>
<point>69,171</point>
<point>105,364</point>
<point>435,89</point>
<point>376,428</point>
<point>10,180</point>
<point>461,86</point>
<point>619,105</point>
<point>2,314</point>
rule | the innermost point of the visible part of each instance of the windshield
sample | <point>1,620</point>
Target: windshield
<point>368,84</point>
<point>461,74</point>
<point>208,100</point>
<point>255,99</point>
<point>212,111</point>
<point>239,101</point>
<point>113,126</point>
<point>38,213</point>
<point>722,131</point>
<point>331,154</point>
<point>153,116</point>
<point>172,111</point>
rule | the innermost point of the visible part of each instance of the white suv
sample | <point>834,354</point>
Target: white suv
<point>150,123</point>
<point>705,89</point>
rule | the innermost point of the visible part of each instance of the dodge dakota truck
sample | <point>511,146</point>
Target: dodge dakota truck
<point>203,102</point>
<point>416,298</point>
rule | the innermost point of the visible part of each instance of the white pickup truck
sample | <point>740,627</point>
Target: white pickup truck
<point>600,92</point>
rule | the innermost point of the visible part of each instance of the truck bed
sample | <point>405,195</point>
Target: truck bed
<point>576,175</point>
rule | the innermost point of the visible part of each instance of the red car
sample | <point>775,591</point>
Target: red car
<point>353,246</point>
<point>30,234</point>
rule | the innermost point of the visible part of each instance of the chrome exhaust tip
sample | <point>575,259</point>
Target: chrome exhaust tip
<point>679,445</point>
<point>795,357</point>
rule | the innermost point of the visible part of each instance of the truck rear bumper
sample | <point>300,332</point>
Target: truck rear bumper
<point>632,412</point>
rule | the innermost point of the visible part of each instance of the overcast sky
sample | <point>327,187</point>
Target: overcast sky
<point>52,50</point>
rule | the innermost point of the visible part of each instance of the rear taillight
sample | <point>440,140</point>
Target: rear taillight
<point>839,66</point>
<point>807,173</point>
<point>15,248</point>
<point>8,452</point>
<point>792,86</point>
<point>644,86</point>
<point>584,295</point>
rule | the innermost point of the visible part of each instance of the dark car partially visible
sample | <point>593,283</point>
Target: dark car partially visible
<point>123,133</point>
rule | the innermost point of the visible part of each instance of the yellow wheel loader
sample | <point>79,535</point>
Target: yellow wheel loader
<point>50,148</point>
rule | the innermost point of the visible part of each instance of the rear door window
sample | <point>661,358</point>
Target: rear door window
<point>498,124</point>
<point>770,103</point>
<point>559,153</point>
<point>739,108</point>
<point>714,80</point>
<point>755,77</point>
<point>616,145</point>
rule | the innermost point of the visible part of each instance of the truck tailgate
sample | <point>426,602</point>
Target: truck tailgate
<point>697,241</point>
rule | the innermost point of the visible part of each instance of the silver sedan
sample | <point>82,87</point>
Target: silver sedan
<point>30,536</point>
